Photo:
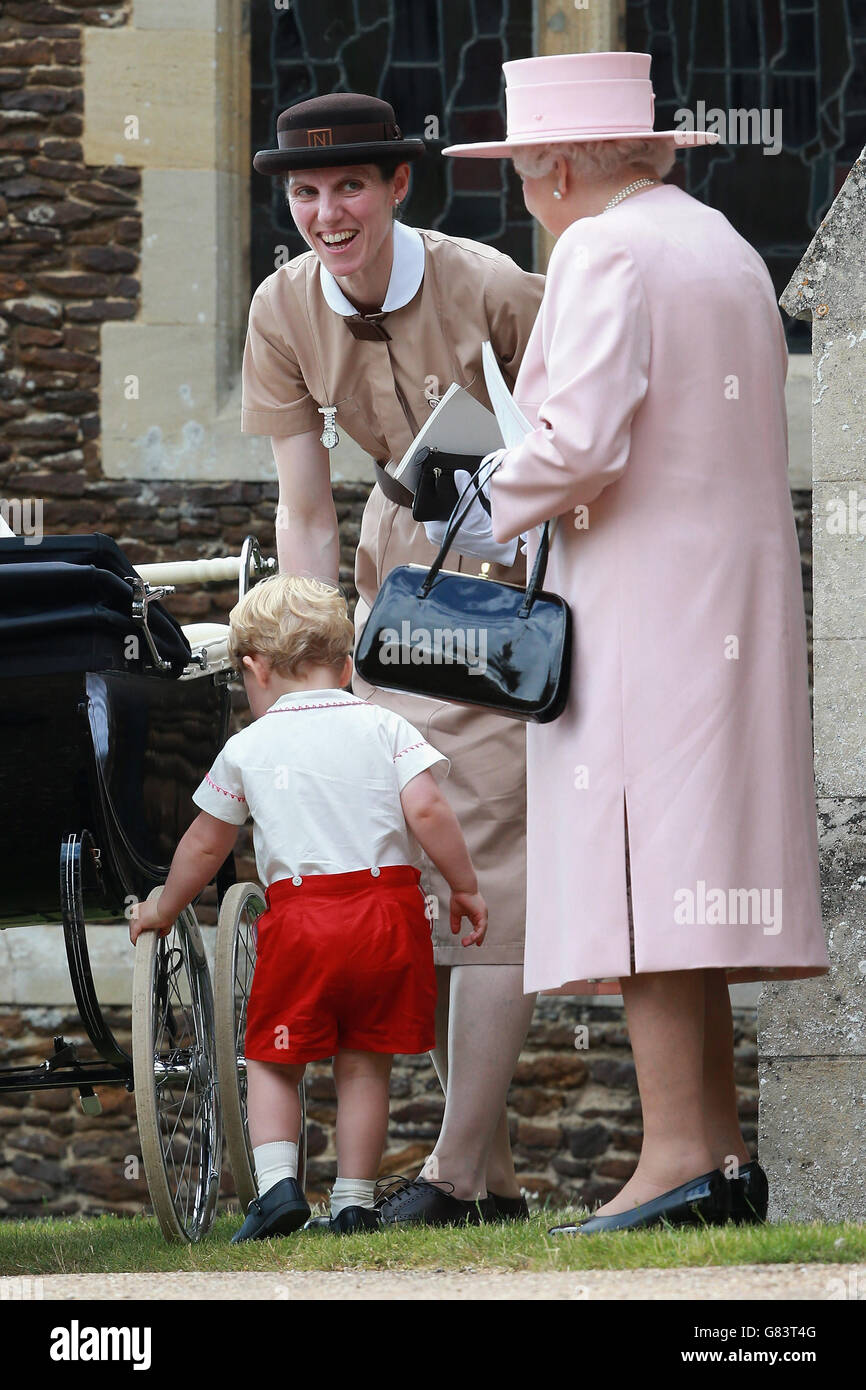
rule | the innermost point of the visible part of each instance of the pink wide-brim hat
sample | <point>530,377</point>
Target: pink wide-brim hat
<point>579,96</point>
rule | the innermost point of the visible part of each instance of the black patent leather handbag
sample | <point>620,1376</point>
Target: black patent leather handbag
<point>470,640</point>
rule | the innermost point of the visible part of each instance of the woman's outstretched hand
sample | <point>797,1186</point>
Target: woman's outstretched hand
<point>473,906</point>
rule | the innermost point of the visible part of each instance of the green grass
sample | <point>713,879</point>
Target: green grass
<point>109,1244</point>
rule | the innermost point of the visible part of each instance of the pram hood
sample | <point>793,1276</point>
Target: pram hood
<point>65,605</point>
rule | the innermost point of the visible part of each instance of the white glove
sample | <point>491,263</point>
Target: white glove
<point>475,536</point>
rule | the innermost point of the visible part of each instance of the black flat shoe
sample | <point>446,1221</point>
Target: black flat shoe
<point>352,1219</point>
<point>509,1208</point>
<point>282,1210</point>
<point>424,1203</point>
<point>701,1201</point>
<point>750,1195</point>
<point>349,1220</point>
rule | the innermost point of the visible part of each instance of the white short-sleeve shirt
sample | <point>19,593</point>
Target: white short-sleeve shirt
<point>321,774</point>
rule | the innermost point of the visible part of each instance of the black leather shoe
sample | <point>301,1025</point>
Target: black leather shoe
<point>282,1210</point>
<point>386,1188</point>
<point>509,1208</point>
<point>347,1221</point>
<point>352,1219</point>
<point>506,1208</point>
<point>701,1201</point>
<point>750,1195</point>
<point>424,1203</point>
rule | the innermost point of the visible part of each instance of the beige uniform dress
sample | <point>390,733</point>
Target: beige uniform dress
<point>307,347</point>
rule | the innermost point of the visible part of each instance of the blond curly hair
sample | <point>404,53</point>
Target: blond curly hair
<point>293,622</point>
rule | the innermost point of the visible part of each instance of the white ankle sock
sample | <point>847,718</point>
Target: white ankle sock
<point>352,1192</point>
<point>274,1162</point>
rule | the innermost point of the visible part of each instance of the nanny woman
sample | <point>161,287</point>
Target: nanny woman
<point>347,337</point>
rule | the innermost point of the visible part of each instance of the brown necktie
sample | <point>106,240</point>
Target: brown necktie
<point>367,327</point>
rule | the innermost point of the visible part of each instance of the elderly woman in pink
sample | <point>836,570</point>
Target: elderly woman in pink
<point>671,817</point>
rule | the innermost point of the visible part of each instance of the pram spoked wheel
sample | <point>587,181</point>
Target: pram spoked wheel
<point>234,965</point>
<point>174,1068</point>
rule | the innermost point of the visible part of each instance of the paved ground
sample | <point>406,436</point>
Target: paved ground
<point>766,1282</point>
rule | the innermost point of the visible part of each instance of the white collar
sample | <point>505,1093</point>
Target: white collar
<point>317,698</point>
<point>407,272</point>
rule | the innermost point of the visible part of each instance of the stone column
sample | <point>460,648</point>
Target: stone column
<point>812,1035</point>
<point>580,26</point>
<point>566,26</point>
<point>169,93</point>
<point>182,70</point>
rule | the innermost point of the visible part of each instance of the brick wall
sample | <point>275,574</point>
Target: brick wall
<point>68,258</point>
<point>575,1116</point>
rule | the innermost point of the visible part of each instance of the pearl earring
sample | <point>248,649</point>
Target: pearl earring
<point>556,193</point>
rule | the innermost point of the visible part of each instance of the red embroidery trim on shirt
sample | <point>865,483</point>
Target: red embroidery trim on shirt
<point>217,788</point>
<point>326,704</point>
<point>409,749</point>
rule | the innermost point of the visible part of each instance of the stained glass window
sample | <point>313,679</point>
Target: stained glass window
<point>806,58</point>
<point>443,58</point>
<point>439,59</point>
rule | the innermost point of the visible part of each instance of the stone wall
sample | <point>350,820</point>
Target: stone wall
<point>813,1060</point>
<point>68,257</point>
<point>575,1116</point>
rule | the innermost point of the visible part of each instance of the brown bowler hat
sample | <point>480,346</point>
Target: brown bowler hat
<point>343,128</point>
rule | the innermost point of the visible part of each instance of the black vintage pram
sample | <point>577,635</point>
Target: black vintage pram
<point>110,715</point>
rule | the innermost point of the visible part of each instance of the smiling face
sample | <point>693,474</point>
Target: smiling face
<point>345,214</point>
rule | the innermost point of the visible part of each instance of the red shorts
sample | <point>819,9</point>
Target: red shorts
<point>342,961</point>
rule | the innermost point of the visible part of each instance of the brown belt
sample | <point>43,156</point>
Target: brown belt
<point>394,491</point>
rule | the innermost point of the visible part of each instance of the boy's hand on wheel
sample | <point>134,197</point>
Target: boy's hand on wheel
<point>146,917</point>
<point>473,906</point>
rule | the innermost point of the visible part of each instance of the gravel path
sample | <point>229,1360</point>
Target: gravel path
<point>764,1282</point>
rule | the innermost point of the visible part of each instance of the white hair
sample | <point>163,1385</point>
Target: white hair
<point>596,159</point>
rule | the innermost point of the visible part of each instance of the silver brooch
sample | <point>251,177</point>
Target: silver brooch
<point>329,436</point>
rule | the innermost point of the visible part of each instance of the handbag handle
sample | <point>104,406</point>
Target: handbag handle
<point>539,569</point>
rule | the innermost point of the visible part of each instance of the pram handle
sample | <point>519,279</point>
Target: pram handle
<point>221,570</point>
<point>249,566</point>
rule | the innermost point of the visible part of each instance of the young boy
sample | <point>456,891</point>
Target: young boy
<point>342,793</point>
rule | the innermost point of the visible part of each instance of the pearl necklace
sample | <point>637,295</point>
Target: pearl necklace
<point>630,188</point>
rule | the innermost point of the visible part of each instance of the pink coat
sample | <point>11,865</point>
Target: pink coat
<point>655,378</point>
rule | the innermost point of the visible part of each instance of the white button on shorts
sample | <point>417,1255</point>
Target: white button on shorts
<point>297,879</point>
<point>375,872</point>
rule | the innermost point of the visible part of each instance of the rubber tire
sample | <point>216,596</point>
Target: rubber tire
<point>173,1222</point>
